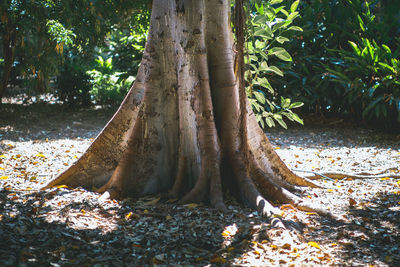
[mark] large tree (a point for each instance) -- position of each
(186, 126)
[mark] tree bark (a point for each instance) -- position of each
(185, 127)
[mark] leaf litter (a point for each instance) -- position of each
(63, 226)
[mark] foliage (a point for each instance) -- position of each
(38, 32)
(329, 75)
(270, 28)
(73, 83)
(107, 86)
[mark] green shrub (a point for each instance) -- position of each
(269, 29)
(108, 88)
(73, 83)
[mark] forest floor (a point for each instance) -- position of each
(63, 226)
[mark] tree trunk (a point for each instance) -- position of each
(185, 127)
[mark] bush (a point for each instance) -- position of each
(269, 30)
(108, 88)
(73, 83)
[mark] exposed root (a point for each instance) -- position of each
(362, 175)
(179, 178)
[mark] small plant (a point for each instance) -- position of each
(270, 27)
(108, 88)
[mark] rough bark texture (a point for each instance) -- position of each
(185, 127)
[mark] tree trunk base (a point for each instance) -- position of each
(186, 127)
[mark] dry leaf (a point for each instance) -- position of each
(191, 205)
(352, 202)
(3, 177)
(218, 260)
(314, 244)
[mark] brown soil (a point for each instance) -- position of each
(64, 226)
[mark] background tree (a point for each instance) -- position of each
(35, 35)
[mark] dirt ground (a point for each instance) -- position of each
(63, 226)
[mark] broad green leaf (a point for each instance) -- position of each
(269, 122)
(295, 28)
(281, 39)
(278, 25)
(275, 70)
(280, 121)
(284, 12)
(386, 66)
(270, 13)
(293, 7)
(259, 44)
(296, 105)
(259, 96)
(273, 2)
(293, 15)
(285, 102)
(297, 118)
(355, 48)
(263, 32)
(387, 49)
(260, 19)
(281, 53)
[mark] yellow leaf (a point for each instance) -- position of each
(385, 178)
(311, 213)
(131, 215)
(62, 186)
(333, 244)
(256, 252)
(83, 211)
(191, 205)
(29, 188)
(277, 147)
(3, 177)
(168, 217)
(40, 155)
(2, 169)
(3, 156)
(47, 140)
(226, 233)
(145, 211)
(314, 244)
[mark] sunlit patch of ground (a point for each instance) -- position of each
(62, 226)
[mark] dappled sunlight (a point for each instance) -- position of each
(34, 163)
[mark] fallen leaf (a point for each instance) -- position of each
(3, 177)
(350, 191)
(191, 205)
(385, 179)
(352, 202)
(314, 244)
(62, 186)
(218, 260)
